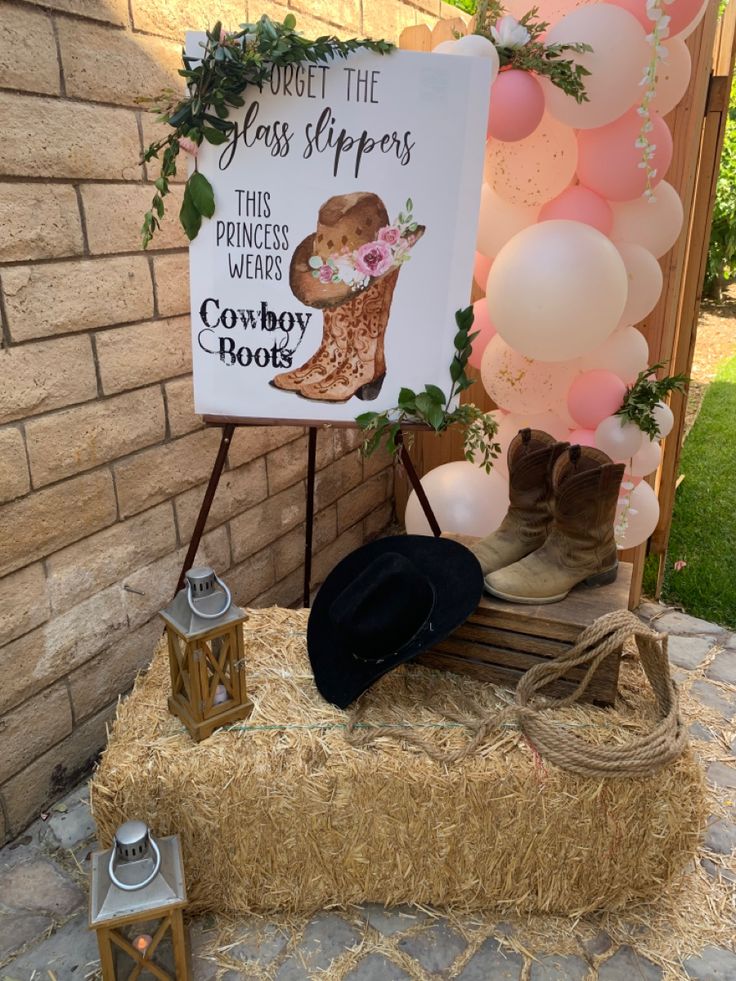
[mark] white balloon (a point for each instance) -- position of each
(619, 439)
(465, 499)
(640, 516)
(509, 424)
(673, 76)
(476, 46)
(646, 459)
(664, 418)
(499, 220)
(645, 281)
(445, 47)
(654, 225)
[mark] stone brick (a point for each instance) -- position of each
(364, 498)
(24, 602)
(337, 479)
(110, 11)
(112, 673)
(171, 275)
(47, 520)
(378, 521)
(252, 441)
(64, 297)
(174, 19)
(150, 589)
(345, 14)
(326, 560)
(288, 551)
(75, 140)
(40, 377)
(80, 570)
(238, 490)
(28, 792)
(40, 221)
(105, 65)
(14, 478)
(376, 462)
(84, 437)
(27, 50)
(143, 353)
(158, 473)
(288, 464)
(114, 215)
(345, 439)
(33, 727)
(288, 592)
(387, 19)
(255, 528)
(180, 407)
(251, 578)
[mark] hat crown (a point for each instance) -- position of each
(348, 221)
(383, 608)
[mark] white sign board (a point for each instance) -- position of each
(343, 237)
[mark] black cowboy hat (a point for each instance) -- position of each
(385, 603)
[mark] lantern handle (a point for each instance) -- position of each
(126, 887)
(209, 616)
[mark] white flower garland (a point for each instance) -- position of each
(659, 53)
(619, 529)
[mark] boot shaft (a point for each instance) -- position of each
(532, 455)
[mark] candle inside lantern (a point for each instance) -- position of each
(143, 942)
(221, 695)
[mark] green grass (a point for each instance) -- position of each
(704, 520)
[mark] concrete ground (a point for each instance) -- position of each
(43, 902)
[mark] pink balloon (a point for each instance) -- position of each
(580, 204)
(481, 268)
(593, 396)
(673, 76)
(608, 159)
(583, 437)
(483, 324)
(517, 106)
(681, 13)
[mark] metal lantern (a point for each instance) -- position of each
(205, 639)
(136, 903)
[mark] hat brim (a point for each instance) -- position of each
(456, 576)
(308, 289)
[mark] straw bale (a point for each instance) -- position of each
(283, 813)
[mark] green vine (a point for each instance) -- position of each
(534, 55)
(432, 408)
(215, 84)
(642, 396)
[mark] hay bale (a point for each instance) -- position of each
(283, 813)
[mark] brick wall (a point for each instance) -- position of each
(102, 461)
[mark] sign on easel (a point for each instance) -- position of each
(343, 237)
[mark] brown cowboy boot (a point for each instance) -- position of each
(531, 456)
(580, 547)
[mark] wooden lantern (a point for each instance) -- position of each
(205, 640)
(137, 898)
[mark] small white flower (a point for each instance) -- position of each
(509, 33)
(346, 270)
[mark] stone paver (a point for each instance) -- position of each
(557, 967)
(38, 885)
(377, 967)
(70, 953)
(626, 964)
(680, 623)
(71, 822)
(712, 696)
(325, 937)
(262, 943)
(698, 731)
(492, 961)
(688, 652)
(714, 964)
(722, 775)
(391, 921)
(720, 836)
(723, 667)
(435, 948)
(18, 929)
(600, 944)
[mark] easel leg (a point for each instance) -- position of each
(417, 485)
(311, 468)
(209, 494)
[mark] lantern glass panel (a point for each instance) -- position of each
(144, 946)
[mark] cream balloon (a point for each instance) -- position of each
(637, 515)
(625, 353)
(646, 459)
(509, 425)
(664, 418)
(655, 225)
(537, 169)
(673, 76)
(619, 439)
(445, 47)
(557, 290)
(465, 499)
(477, 46)
(620, 52)
(645, 281)
(499, 220)
(520, 384)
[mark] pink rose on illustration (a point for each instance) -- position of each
(373, 259)
(390, 235)
(324, 274)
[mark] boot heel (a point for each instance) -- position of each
(370, 390)
(602, 578)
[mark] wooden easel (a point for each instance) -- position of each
(228, 425)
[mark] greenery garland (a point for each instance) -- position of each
(432, 408)
(644, 394)
(215, 85)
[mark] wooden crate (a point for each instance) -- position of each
(501, 641)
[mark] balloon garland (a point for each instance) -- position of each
(575, 214)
